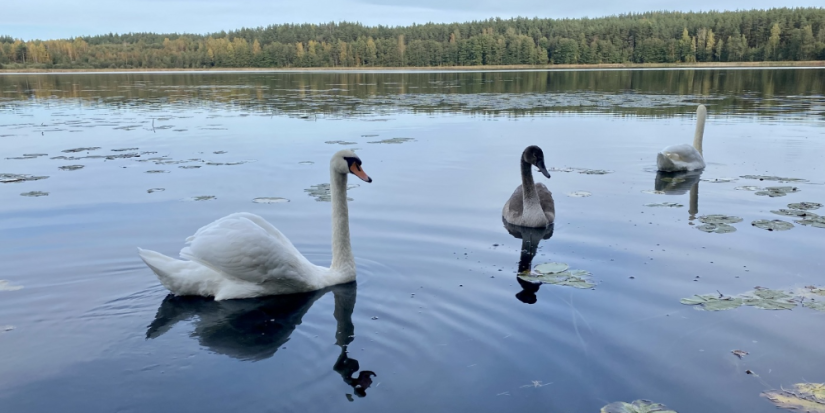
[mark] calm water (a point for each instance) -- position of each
(437, 313)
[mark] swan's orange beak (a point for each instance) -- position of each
(356, 170)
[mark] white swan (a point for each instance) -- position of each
(678, 158)
(531, 205)
(241, 255)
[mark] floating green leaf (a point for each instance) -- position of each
(270, 200)
(155, 190)
(776, 191)
(772, 225)
(321, 192)
(817, 222)
(804, 397)
(716, 228)
(768, 299)
(5, 286)
(638, 406)
(713, 302)
(773, 178)
(748, 188)
(719, 219)
(594, 171)
(718, 180)
(14, 178)
(653, 192)
(34, 194)
(571, 278)
(551, 267)
(665, 205)
(579, 194)
(70, 167)
(341, 143)
(93, 148)
(815, 305)
(394, 140)
(805, 205)
(795, 213)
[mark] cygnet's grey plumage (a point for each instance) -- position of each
(534, 207)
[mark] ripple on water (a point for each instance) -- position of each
(5, 285)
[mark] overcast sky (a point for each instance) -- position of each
(48, 19)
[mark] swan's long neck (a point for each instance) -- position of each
(527, 186)
(701, 114)
(342, 259)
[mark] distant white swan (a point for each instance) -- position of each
(531, 205)
(678, 158)
(241, 255)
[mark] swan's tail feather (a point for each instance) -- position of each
(181, 277)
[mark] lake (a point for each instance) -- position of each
(96, 165)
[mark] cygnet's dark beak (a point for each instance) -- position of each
(542, 169)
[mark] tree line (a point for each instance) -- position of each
(782, 34)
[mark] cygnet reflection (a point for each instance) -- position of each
(530, 239)
(254, 329)
(677, 183)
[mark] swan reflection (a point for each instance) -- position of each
(677, 183)
(254, 329)
(530, 238)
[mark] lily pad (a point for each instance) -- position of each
(719, 219)
(270, 200)
(35, 194)
(15, 178)
(805, 205)
(595, 171)
(201, 198)
(394, 140)
(768, 299)
(572, 278)
(189, 166)
(749, 188)
(777, 191)
(716, 228)
(795, 213)
(341, 143)
(579, 194)
(321, 192)
(91, 148)
(817, 222)
(151, 190)
(772, 225)
(306, 162)
(551, 267)
(555, 169)
(70, 167)
(6, 286)
(653, 192)
(815, 305)
(665, 205)
(638, 406)
(125, 149)
(713, 302)
(773, 178)
(803, 397)
(157, 171)
(718, 180)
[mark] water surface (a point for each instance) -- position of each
(437, 314)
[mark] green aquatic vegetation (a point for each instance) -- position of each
(6, 286)
(394, 140)
(321, 192)
(653, 192)
(638, 406)
(815, 305)
(152, 190)
(34, 194)
(219, 152)
(269, 200)
(713, 302)
(306, 162)
(768, 299)
(718, 180)
(202, 198)
(227, 163)
(70, 167)
(805, 205)
(189, 166)
(665, 205)
(125, 149)
(157, 171)
(719, 219)
(772, 225)
(595, 171)
(340, 143)
(15, 178)
(554, 169)
(749, 188)
(87, 149)
(777, 191)
(816, 222)
(551, 267)
(803, 397)
(795, 213)
(558, 273)
(773, 178)
(579, 194)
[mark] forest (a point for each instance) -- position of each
(781, 34)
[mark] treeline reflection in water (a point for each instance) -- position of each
(648, 93)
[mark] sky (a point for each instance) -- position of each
(51, 19)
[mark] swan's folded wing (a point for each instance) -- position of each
(239, 248)
(546, 199)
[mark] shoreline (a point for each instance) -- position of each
(814, 64)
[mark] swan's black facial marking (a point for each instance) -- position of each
(354, 166)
